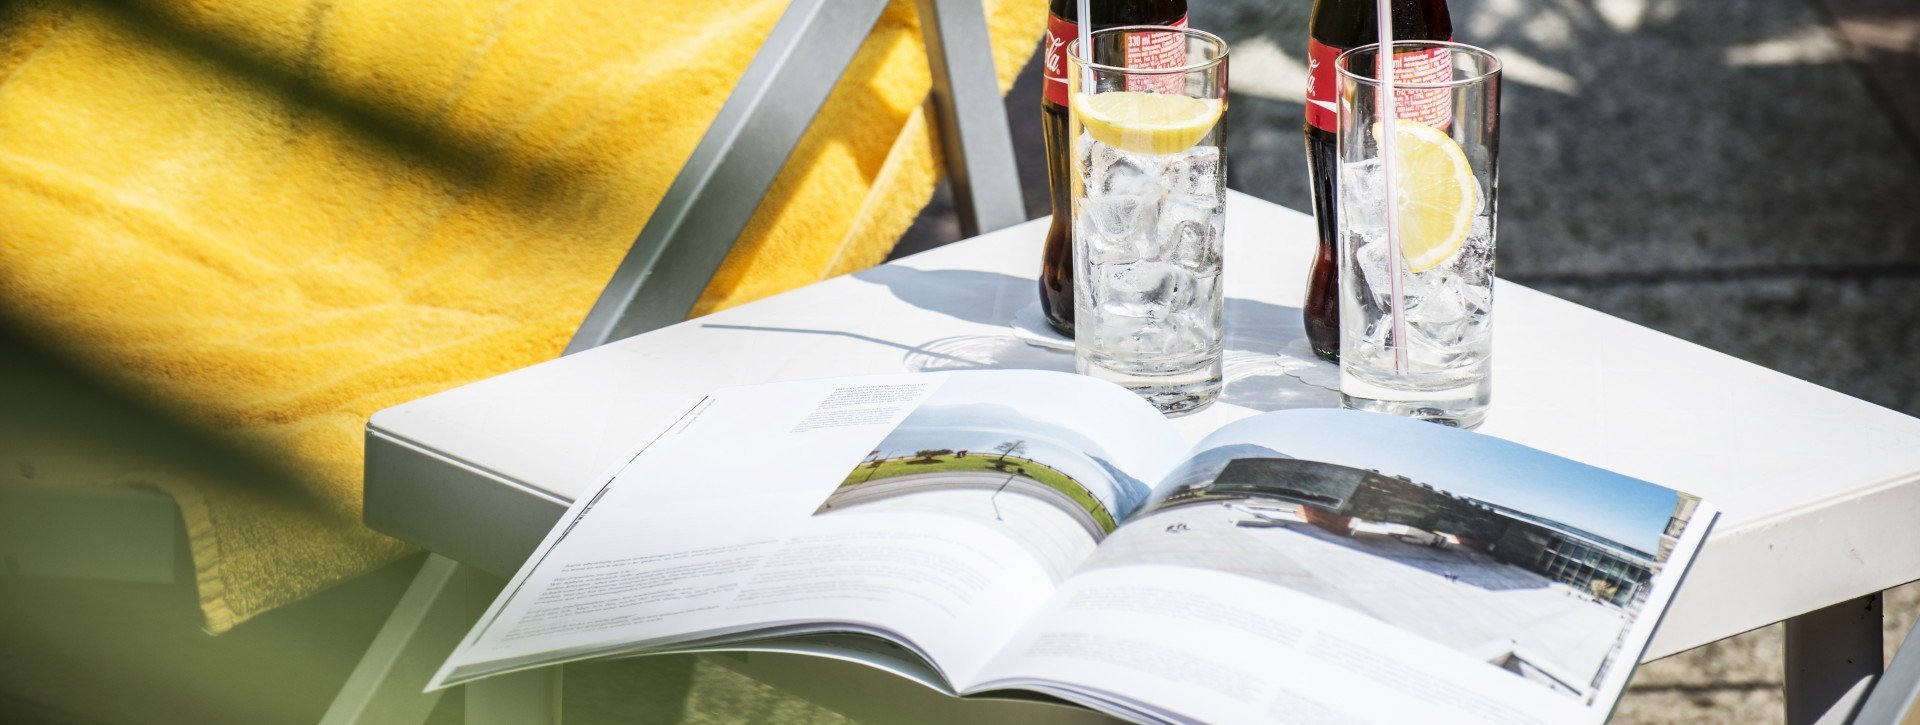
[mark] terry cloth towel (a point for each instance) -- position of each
(280, 216)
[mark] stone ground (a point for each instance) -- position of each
(1743, 175)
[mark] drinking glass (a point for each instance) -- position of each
(1434, 361)
(1149, 202)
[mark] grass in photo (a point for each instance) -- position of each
(1037, 482)
(997, 469)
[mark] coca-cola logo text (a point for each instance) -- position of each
(1053, 54)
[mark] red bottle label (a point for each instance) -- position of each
(1320, 86)
(1144, 50)
(1429, 106)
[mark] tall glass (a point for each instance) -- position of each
(1149, 205)
(1434, 361)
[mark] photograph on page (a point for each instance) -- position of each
(1530, 563)
(985, 456)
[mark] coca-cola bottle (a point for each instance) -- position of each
(1056, 266)
(1337, 25)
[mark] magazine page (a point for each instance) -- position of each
(938, 510)
(1335, 566)
(872, 652)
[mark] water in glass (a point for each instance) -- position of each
(1447, 307)
(1149, 312)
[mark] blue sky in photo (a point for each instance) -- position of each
(1627, 510)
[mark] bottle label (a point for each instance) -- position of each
(1144, 50)
(1321, 112)
(1429, 106)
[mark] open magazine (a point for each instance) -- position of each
(1040, 531)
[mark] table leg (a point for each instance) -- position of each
(521, 698)
(530, 697)
(1832, 658)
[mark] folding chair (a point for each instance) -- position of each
(669, 265)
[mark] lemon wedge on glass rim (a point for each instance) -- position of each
(1147, 123)
(1437, 194)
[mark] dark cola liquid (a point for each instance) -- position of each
(1056, 260)
(1322, 307)
(1343, 24)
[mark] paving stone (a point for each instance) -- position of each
(1640, 135)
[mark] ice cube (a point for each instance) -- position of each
(1122, 289)
(1175, 292)
(1478, 297)
(1473, 264)
(1112, 172)
(1435, 298)
(1195, 172)
(1370, 261)
(1363, 197)
(1417, 288)
(1190, 229)
(1196, 247)
(1114, 216)
(1432, 350)
(1144, 290)
(1197, 329)
(1151, 339)
(1447, 315)
(1103, 250)
(1481, 233)
(1206, 296)
(1162, 346)
(1176, 208)
(1362, 182)
(1112, 338)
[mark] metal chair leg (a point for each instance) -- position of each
(432, 616)
(971, 123)
(1896, 697)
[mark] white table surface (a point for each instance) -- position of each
(1820, 491)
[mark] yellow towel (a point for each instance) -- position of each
(283, 215)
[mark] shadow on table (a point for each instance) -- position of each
(985, 352)
(931, 357)
(985, 298)
(1268, 365)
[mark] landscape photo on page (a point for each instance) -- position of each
(1028, 474)
(1533, 564)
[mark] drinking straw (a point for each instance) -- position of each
(1086, 48)
(1383, 59)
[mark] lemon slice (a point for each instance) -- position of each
(1147, 123)
(1438, 194)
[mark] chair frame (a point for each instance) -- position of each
(1895, 696)
(716, 193)
(669, 264)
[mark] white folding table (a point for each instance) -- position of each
(1821, 491)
